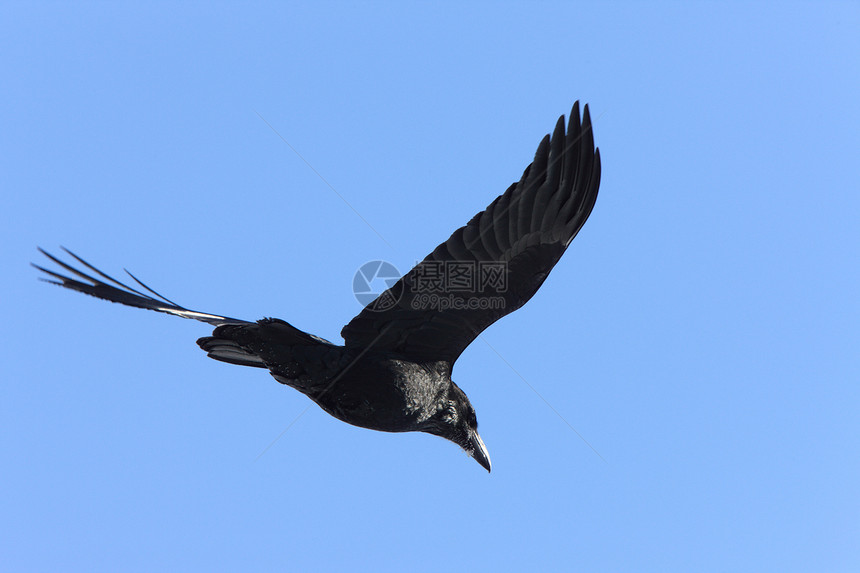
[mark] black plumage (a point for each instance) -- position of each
(394, 372)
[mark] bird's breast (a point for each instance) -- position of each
(385, 393)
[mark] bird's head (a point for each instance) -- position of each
(455, 420)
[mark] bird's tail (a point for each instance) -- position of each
(224, 347)
(269, 343)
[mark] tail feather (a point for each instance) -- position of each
(272, 343)
(229, 351)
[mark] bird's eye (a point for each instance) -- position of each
(473, 421)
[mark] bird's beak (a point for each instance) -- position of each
(479, 451)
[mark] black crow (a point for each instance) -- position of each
(394, 371)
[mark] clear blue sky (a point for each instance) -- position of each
(701, 333)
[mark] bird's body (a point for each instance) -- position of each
(372, 389)
(393, 373)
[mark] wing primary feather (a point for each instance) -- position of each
(162, 297)
(92, 268)
(488, 240)
(123, 293)
(84, 275)
(523, 202)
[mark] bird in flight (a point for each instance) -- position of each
(393, 373)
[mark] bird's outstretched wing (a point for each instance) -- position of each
(122, 293)
(494, 264)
